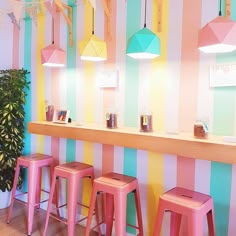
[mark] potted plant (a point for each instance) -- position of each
(13, 86)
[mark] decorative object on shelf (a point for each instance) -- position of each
(93, 49)
(61, 116)
(111, 120)
(201, 129)
(13, 87)
(144, 44)
(218, 36)
(49, 109)
(146, 123)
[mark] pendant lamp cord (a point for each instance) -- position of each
(52, 30)
(220, 13)
(93, 22)
(145, 14)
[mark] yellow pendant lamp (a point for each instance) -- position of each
(93, 49)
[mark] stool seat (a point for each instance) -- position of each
(34, 162)
(116, 187)
(73, 172)
(194, 205)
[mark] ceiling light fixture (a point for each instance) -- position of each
(53, 55)
(144, 44)
(93, 49)
(218, 36)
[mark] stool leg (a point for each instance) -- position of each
(120, 203)
(159, 219)
(54, 180)
(211, 223)
(109, 213)
(139, 212)
(175, 221)
(195, 225)
(38, 188)
(33, 175)
(73, 189)
(91, 208)
(13, 192)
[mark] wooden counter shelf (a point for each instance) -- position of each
(182, 144)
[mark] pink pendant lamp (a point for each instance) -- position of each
(218, 36)
(53, 56)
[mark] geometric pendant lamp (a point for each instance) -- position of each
(218, 36)
(144, 44)
(93, 49)
(53, 56)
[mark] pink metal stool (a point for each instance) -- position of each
(34, 163)
(116, 187)
(186, 202)
(73, 172)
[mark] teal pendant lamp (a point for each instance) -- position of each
(144, 44)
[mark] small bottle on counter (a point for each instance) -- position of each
(146, 123)
(111, 120)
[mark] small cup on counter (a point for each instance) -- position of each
(111, 120)
(146, 123)
(49, 112)
(200, 129)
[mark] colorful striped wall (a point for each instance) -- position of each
(173, 87)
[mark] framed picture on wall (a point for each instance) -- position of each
(61, 116)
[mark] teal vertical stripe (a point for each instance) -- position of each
(71, 83)
(224, 111)
(70, 150)
(220, 190)
(130, 168)
(27, 66)
(131, 103)
(223, 124)
(27, 107)
(132, 67)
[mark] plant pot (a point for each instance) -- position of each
(5, 199)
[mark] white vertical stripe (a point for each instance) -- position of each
(142, 176)
(118, 159)
(173, 65)
(232, 210)
(97, 147)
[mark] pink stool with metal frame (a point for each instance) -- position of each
(194, 205)
(73, 172)
(34, 163)
(116, 187)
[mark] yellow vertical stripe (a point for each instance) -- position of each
(40, 79)
(159, 77)
(157, 104)
(155, 187)
(88, 105)
(87, 190)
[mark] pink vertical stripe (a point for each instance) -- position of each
(185, 172)
(189, 64)
(107, 158)
(55, 85)
(15, 56)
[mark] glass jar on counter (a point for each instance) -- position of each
(111, 120)
(146, 123)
